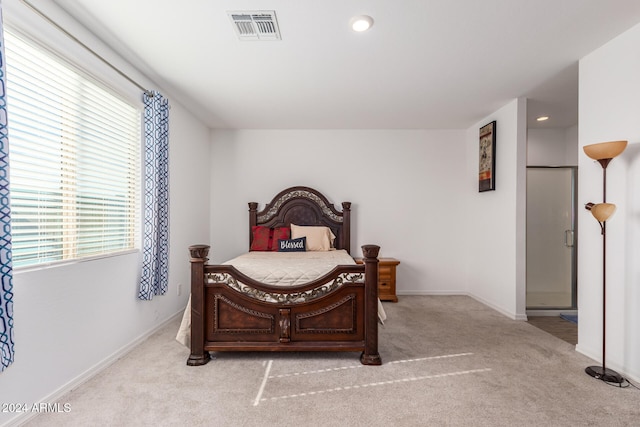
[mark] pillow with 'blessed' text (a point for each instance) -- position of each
(292, 245)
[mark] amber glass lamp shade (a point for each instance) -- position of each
(602, 211)
(605, 150)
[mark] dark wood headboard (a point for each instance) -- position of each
(304, 206)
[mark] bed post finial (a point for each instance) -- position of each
(370, 355)
(199, 252)
(199, 258)
(371, 251)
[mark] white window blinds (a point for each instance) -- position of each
(74, 160)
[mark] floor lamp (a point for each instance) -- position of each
(604, 152)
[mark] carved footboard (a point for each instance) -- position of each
(232, 312)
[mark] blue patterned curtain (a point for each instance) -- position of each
(155, 251)
(6, 276)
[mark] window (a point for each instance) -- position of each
(74, 160)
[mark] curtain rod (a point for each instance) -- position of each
(93, 52)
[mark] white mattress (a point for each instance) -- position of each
(289, 268)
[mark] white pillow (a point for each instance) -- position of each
(318, 238)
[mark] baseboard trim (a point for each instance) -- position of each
(427, 293)
(91, 372)
(513, 316)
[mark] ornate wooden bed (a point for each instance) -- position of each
(339, 311)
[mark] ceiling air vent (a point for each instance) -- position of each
(255, 25)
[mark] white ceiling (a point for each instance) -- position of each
(424, 64)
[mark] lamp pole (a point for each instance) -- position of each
(604, 294)
(604, 163)
(604, 152)
(602, 372)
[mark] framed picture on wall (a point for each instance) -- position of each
(487, 165)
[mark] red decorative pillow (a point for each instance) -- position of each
(266, 239)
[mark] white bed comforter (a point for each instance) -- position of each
(289, 268)
(280, 269)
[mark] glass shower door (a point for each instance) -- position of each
(551, 246)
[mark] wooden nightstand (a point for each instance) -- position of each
(386, 278)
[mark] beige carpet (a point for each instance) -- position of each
(448, 361)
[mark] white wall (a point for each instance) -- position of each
(72, 319)
(495, 220)
(414, 192)
(571, 145)
(552, 147)
(609, 109)
(407, 189)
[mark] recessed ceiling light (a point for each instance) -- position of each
(361, 23)
(542, 118)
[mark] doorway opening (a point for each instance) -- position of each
(551, 240)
